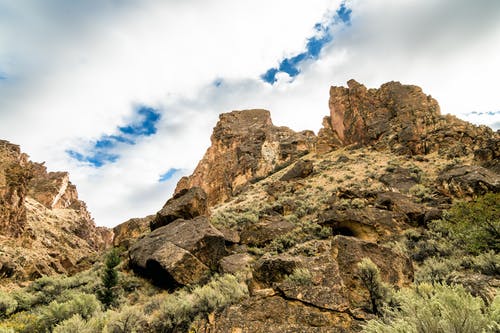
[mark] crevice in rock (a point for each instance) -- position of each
(348, 311)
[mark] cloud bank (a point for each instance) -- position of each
(74, 77)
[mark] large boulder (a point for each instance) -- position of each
(468, 181)
(264, 231)
(274, 314)
(186, 204)
(395, 268)
(126, 233)
(301, 169)
(180, 253)
(415, 213)
(369, 223)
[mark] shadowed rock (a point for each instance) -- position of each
(186, 204)
(468, 181)
(301, 169)
(184, 251)
(265, 230)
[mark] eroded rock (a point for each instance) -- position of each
(265, 230)
(301, 169)
(245, 146)
(126, 233)
(401, 118)
(467, 181)
(186, 204)
(192, 247)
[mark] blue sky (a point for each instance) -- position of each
(102, 150)
(323, 36)
(124, 95)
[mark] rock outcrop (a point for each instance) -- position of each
(126, 233)
(15, 174)
(180, 253)
(468, 181)
(246, 146)
(401, 118)
(385, 164)
(44, 227)
(186, 204)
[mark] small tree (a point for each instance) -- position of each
(370, 277)
(475, 225)
(109, 279)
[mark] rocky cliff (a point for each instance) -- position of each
(293, 215)
(246, 146)
(401, 118)
(45, 229)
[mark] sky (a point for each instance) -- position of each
(124, 94)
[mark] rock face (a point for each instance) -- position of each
(301, 169)
(245, 146)
(15, 175)
(186, 204)
(126, 233)
(381, 168)
(44, 228)
(399, 117)
(180, 253)
(329, 299)
(468, 181)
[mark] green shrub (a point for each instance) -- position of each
(436, 270)
(437, 308)
(422, 192)
(300, 276)
(8, 304)
(369, 274)
(487, 263)
(130, 319)
(179, 309)
(25, 300)
(474, 226)
(75, 324)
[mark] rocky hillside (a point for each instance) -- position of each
(294, 214)
(387, 221)
(44, 228)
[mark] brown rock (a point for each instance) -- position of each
(400, 179)
(301, 169)
(44, 228)
(173, 248)
(15, 174)
(269, 269)
(245, 146)
(395, 269)
(235, 263)
(126, 233)
(52, 189)
(326, 288)
(468, 181)
(276, 315)
(369, 223)
(397, 117)
(265, 230)
(416, 213)
(489, 154)
(186, 204)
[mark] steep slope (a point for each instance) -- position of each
(45, 229)
(245, 146)
(292, 215)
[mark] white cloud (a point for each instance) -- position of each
(79, 70)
